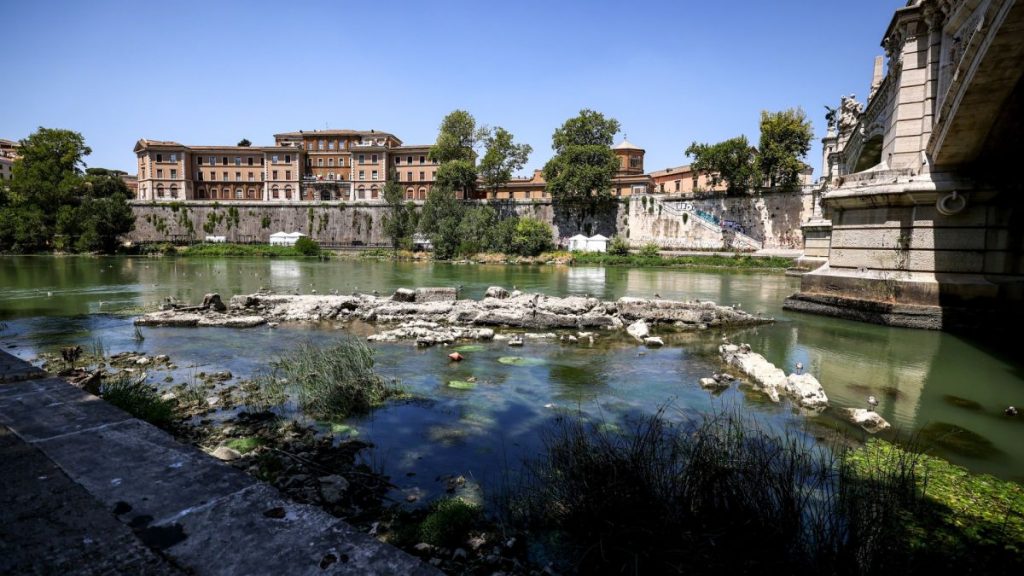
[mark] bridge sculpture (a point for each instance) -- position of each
(921, 210)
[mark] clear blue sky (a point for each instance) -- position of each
(214, 72)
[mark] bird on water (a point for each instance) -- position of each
(872, 403)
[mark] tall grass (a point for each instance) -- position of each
(329, 382)
(137, 398)
(720, 495)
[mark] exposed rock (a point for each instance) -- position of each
(332, 488)
(654, 342)
(496, 292)
(713, 384)
(869, 420)
(213, 301)
(226, 454)
(436, 294)
(764, 374)
(806, 389)
(638, 330)
(404, 295)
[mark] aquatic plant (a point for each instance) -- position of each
(461, 384)
(244, 445)
(521, 361)
(137, 398)
(449, 522)
(138, 336)
(328, 382)
(723, 495)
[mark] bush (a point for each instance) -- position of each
(531, 237)
(138, 399)
(619, 246)
(330, 383)
(307, 246)
(449, 522)
(650, 250)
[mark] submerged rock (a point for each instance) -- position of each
(654, 342)
(807, 391)
(869, 420)
(802, 388)
(638, 330)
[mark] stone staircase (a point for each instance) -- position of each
(730, 238)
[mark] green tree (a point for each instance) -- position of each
(584, 164)
(785, 141)
(244, 142)
(440, 219)
(731, 162)
(501, 158)
(476, 230)
(457, 138)
(397, 224)
(49, 171)
(531, 237)
(457, 175)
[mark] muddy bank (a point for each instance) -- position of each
(438, 309)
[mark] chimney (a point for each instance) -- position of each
(876, 76)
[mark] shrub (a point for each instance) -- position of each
(619, 246)
(307, 246)
(650, 250)
(449, 522)
(531, 237)
(138, 399)
(330, 383)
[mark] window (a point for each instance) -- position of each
(410, 193)
(330, 145)
(309, 162)
(263, 176)
(159, 172)
(526, 195)
(423, 175)
(362, 192)
(274, 158)
(239, 194)
(143, 172)
(174, 157)
(213, 192)
(287, 192)
(250, 160)
(159, 190)
(251, 194)
(252, 177)
(433, 174)
(224, 161)
(421, 194)
(320, 162)
(199, 175)
(287, 174)
(275, 192)
(199, 160)
(423, 159)
(330, 175)
(373, 159)
(287, 158)
(273, 174)
(320, 145)
(213, 161)
(263, 161)
(362, 175)
(341, 161)
(408, 159)
(213, 175)
(238, 176)
(174, 191)
(174, 174)
(409, 175)
(373, 192)
(201, 193)
(225, 178)
(373, 176)
(238, 161)
(677, 185)
(635, 162)
(330, 162)
(159, 157)
(362, 159)
(398, 160)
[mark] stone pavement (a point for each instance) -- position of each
(87, 489)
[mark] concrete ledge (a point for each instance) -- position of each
(904, 316)
(14, 369)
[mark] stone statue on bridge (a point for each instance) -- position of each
(849, 112)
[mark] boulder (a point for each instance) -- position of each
(764, 374)
(496, 292)
(226, 454)
(404, 295)
(869, 420)
(638, 330)
(712, 384)
(805, 389)
(436, 294)
(654, 342)
(213, 301)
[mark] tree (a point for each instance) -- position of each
(502, 158)
(531, 237)
(49, 170)
(785, 141)
(476, 230)
(244, 142)
(457, 175)
(397, 223)
(731, 162)
(584, 164)
(457, 138)
(440, 219)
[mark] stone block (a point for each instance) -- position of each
(442, 294)
(53, 408)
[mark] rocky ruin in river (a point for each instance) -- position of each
(436, 315)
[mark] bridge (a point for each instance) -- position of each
(921, 202)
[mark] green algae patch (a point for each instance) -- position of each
(521, 361)
(244, 445)
(959, 402)
(958, 440)
(461, 384)
(470, 348)
(973, 513)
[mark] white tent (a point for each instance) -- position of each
(285, 238)
(597, 243)
(578, 242)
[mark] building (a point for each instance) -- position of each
(326, 166)
(8, 154)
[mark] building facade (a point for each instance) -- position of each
(8, 152)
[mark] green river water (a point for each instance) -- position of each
(952, 388)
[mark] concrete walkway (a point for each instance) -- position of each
(87, 489)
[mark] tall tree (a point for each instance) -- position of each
(244, 142)
(457, 138)
(397, 223)
(458, 175)
(731, 162)
(502, 157)
(584, 164)
(785, 140)
(48, 172)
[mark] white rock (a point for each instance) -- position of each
(654, 342)
(764, 374)
(226, 454)
(805, 389)
(638, 330)
(713, 384)
(869, 420)
(143, 361)
(496, 292)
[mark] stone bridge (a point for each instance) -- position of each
(920, 215)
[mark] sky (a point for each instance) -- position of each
(214, 72)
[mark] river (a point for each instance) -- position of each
(939, 383)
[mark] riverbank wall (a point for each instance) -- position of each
(771, 220)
